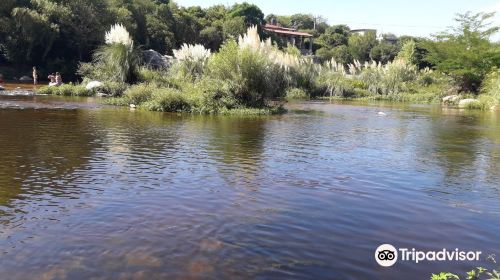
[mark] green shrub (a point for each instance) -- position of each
(81, 91)
(159, 77)
(303, 74)
(324, 54)
(484, 102)
(211, 96)
(296, 94)
(140, 93)
(336, 82)
(114, 89)
(475, 105)
(252, 77)
(46, 90)
(65, 90)
(396, 77)
(292, 50)
(491, 85)
(168, 100)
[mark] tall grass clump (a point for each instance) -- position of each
(333, 77)
(116, 61)
(191, 60)
(491, 86)
(398, 80)
(251, 69)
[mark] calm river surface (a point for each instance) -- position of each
(92, 192)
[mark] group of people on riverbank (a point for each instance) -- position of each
(55, 79)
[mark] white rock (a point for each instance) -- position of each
(465, 102)
(93, 84)
(451, 99)
(25, 79)
(101, 94)
(381, 114)
(132, 106)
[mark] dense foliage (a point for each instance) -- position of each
(58, 34)
(215, 67)
(466, 52)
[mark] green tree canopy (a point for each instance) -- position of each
(465, 51)
(252, 14)
(360, 45)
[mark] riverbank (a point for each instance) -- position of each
(16, 86)
(464, 101)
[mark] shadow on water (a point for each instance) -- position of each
(238, 143)
(467, 145)
(41, 152)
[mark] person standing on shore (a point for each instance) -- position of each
(35, 76)
(58, 79)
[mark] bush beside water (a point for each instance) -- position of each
(245, 75)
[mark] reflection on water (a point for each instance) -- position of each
(108, 193)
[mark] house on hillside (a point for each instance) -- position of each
(364, 31)
(388, 38)
(292, 36)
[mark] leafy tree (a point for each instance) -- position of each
(234, 27)
(408, 52)
(302, 21)
(384, 52)
(361, 45)
(334, 36)
(465, 52)
(252, 14)
(340, 54)
(212, 37)
(284, 21)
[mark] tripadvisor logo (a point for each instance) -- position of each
(387, 255)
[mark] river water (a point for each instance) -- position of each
(93, 192)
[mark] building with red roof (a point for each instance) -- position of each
(292, 36)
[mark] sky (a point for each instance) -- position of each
(416, 18)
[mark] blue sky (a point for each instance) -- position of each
(418, 18)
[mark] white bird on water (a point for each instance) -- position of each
(381, 114)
